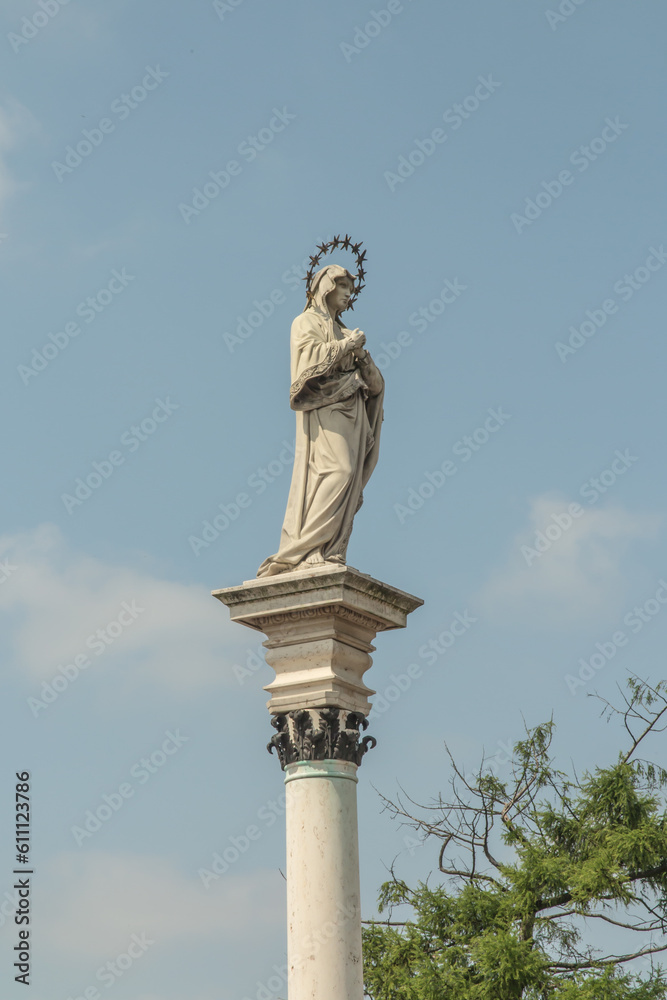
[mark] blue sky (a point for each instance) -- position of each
(502, 164)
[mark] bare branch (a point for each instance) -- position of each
(609, 960)
(652, 725)
(387, 923)
(646, 928)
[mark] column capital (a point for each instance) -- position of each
(327, 734)
(320, 624)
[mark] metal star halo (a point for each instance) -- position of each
(326, 248)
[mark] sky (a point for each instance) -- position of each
(165, 170)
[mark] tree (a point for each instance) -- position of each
(531, 865)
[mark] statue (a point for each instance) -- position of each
(337, 392)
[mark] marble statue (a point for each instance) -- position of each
(337, 392)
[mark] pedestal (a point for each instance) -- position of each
(320, 625)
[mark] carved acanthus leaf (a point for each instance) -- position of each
(320, 734)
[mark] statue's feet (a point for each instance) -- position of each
(316, 559)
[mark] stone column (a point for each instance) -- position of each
(320, 624)
(323, 901)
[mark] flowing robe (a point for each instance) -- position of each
(339, 414)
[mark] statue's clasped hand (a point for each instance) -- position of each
(356, 340)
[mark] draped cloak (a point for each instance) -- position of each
(338, 402)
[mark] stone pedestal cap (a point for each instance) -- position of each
(319, 624)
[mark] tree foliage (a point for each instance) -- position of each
(531, 865)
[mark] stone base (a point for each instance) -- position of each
(320, 624)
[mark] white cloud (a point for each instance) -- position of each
(92, 903)
(578, 576)
(65, 33)
(55, 599)
(16, 123)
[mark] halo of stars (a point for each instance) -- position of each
(345, 243)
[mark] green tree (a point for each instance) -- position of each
(530, 866)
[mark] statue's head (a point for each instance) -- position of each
(333, 286)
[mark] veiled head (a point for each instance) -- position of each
(324, 282)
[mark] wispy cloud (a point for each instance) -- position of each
(564, 568)
(144, 893)
(16, 124)
(55, 599)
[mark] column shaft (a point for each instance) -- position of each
(323, 897)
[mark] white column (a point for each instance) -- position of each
(323, 900)
(320, 626)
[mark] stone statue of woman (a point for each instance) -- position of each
(337, 392)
